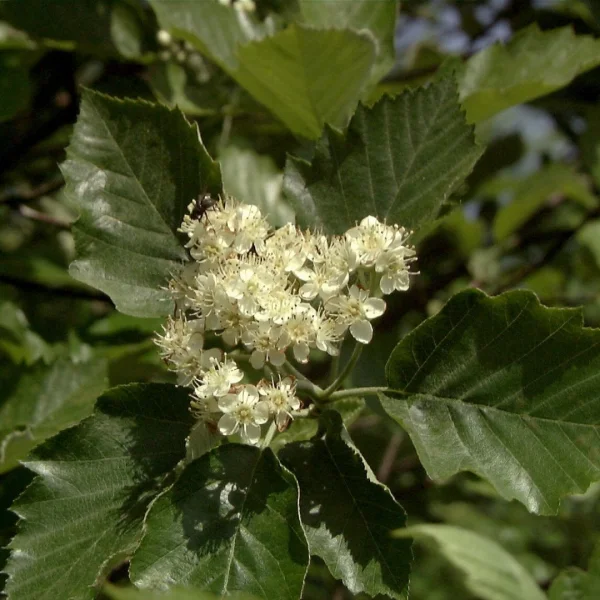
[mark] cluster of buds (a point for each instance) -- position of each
(183, 53)
(270, 296)
(241, 5)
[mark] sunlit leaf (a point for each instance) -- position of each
(306, 76)
(83, 514)
(533, 63)
(347, 515)
(230, 523)
(133, 168)
(506, 388)
(399, 160)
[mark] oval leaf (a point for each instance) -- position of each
(84, 512)
(229, 523)
(491, 573)
(532, 64)
(506, 388)
(347, 515)
(399, 160)
(133, 167)
(305, 76)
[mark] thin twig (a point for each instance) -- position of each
(36, 215)
(389, 457)
(16, 195)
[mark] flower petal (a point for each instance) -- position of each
(251, 433)
(228, 425)
(362, 331)
(257, 360)
(261, 412)
(228, 403)
(276, 358)
(374, 307)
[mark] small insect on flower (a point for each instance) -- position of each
(201, 205)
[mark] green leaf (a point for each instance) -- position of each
(175, 85)
(131, 593)
(575, 584)
(254, 179)
(505, 388)
(13, 39)
(490, 572)
(101, 27)
(305, 76)
(84, 512)
(531, 193)
(11, 486)
(44, 400)
(133, 167)
(532, 64)
(17, 339)
(126, 30)
(379, 18)
(399, 160)
(229, 523)
(347, 515)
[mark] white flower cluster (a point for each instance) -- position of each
(269, 294)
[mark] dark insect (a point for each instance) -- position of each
(202, 204)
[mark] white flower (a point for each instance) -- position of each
(370, 239)
(327, 335)
(322, 280)
(342, 256)
(281, 398)
(394, 263)
(355, 311)
(208, 297)
(250, 227)
(182, 346)
(244, 411)
(218, 379)
(249, 281)
(233, 323)
(266, 341)
(286, 249)
(395, 273)
(299, 332)
(278, 306)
